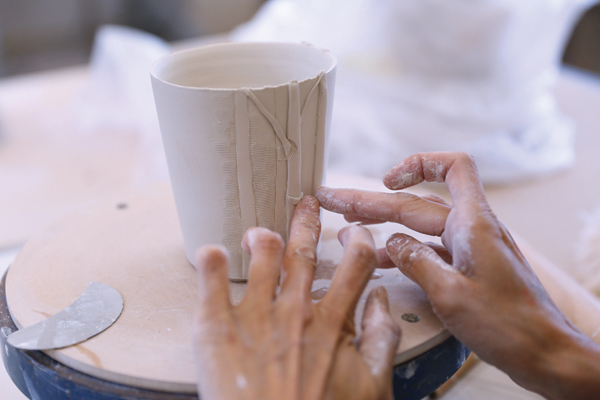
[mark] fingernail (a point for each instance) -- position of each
(397, 241)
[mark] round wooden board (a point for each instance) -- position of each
(135, 246)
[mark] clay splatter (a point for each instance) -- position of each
(91, 355)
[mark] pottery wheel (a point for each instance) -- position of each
(135, 246)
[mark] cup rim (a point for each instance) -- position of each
(163, 59)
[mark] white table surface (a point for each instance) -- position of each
(548, 213)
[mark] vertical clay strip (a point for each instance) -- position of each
(319, 143)
(320, 140)
(294, 163)
(244, 169)
(281, 109)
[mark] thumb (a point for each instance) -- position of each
(380, 337)
(420, 263)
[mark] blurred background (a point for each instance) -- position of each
(41, 34)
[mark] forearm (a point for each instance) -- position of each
(571, 369)
(572, 372)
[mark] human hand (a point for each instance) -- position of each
(281, 345)
(478, 282)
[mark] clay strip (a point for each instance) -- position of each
(312, 90)
(244, 168)
(320, 140)
(294, 163)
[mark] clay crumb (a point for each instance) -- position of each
(376, 275)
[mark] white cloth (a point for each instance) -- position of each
(438, 75)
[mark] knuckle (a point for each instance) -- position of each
(465, 157)
(209, 328)
(330, 316)
(485, 222)
(313, 221)
(351, 206)
(309, 221)
(467, 161)
(298, 310)
(307, 254)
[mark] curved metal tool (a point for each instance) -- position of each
(98, 307)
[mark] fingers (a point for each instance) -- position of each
(385, 262)
(414, 212)
(441, 251)
(213, 281)
(435, 199)
(420, 263)
(363, 221)
(353, 272)
(458, 170)
(266, 249)
(300, 260)
(380, 337)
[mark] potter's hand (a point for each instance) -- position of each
(478, 282)
(282, 345)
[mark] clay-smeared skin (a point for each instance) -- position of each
(479, 283)
(284, 346)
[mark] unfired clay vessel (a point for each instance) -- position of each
(245, 129)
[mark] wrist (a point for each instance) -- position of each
(570, 369)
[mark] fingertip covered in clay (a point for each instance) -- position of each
(408, 173)
(310, 203)
(324, 195)
(430, 167)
